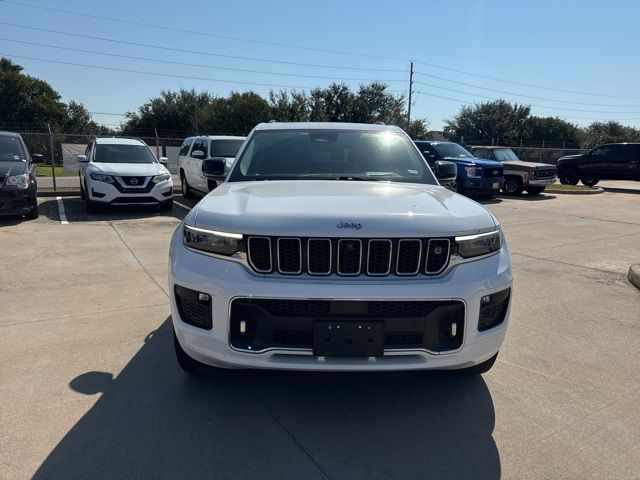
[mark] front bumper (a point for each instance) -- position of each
(483, 185)
(15, 201)
(541, 183)
(225, 280)
(108, 194)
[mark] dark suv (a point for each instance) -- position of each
(17, 177)
(612, 161)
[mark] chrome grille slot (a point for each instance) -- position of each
(349, 256)
(319, 256)
(437, 255)
(408, 256)
(260, 254)
(379, 257)
(289, 256)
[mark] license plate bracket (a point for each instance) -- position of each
(348, 338)
(495, 185)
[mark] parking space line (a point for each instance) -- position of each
(181, 205)
(63, 216)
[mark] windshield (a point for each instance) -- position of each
(452, 150)
(331, 155)
(505, 155)
(113, 153)
(10, 149)
(225, 148)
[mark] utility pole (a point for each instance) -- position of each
(410, 95)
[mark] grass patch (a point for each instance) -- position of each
(560, 188)
(45, 171)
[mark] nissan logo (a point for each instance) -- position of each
(133, 181)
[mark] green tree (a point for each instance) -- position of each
(489, 120)
(238, 114)
(28, 100)
(552, 130)
(290, 106)
(608, 132)
(80, 121)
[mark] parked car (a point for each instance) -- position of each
(476, 177)
(194, 151)
(123, 171)
(331, 246)
(518, 175)
(18, 182)
(612, 161)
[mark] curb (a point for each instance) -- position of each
(634, 275)
(591, 191)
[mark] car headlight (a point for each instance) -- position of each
(475, 172)
(476, 245)
(163, 177)
(211, 241)
(19, 181)
(101, 177)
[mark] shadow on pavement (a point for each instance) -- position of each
(75, 211)
(531, 198)
(154, 421)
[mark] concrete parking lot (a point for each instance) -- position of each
(89, 387)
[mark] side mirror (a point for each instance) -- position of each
(37, 158)
(198, 154)
(164, 161)
(446, 172)
(213, 167)
(82, 158)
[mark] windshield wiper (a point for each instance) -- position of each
(360, 179)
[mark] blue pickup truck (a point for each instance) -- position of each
(476, 176)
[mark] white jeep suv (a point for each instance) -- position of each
(194, 151)
(123, 171)
(333, 247)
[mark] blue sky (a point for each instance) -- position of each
(577, 46)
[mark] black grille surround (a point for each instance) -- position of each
(131, 188)
(349, 257)
(494, 172)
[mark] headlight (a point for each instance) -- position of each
(222, 243)
(20, 181)
(101, 177)
(476, 245)
(163, 177)
(475, 172)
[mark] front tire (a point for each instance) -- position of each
(33, 214)
(89, 204)
(190, 365)
(589, 181)
(535, 190)
(512, 186)
(166, 206)
(568, 177)
(184, 186)
(479, 369)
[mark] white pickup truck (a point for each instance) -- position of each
(194, 151)
(332, 246)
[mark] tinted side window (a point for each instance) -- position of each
(481, 153)
(185, 148)
(205, 147)
(197, 145)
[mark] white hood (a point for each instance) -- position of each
(315, 208)
(128, 169)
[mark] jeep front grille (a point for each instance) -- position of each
(348, 256)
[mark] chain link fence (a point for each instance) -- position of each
(59, 170)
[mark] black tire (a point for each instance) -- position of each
(589, 181)
(90, 205)
(535, 190)
(166, 206)
(33, 214)
(82, 193)
(568, 177)
(479, 369)
(184, 186)
(512, 186)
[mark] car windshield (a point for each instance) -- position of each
(308, 154)
(106, 153)
(10, 149)
(451, 150)
(225, 148)
(505, 155)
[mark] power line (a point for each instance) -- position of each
(198, 52)
(533, 105)
(300, 47)
(471, 103)
(213, 35)
(521, 94)
(199, 65)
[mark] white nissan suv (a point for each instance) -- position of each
(123, 171)
(333, 247)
